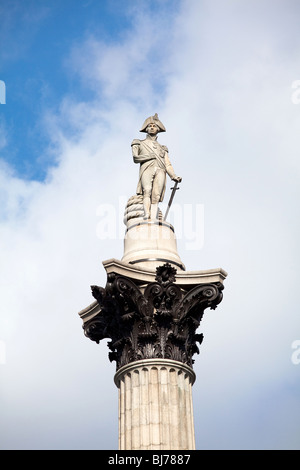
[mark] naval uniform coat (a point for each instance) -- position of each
(150, 153)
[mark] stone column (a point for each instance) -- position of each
(155, 405)
(151, 318)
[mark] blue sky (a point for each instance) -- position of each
(81, 77)
(37, 39)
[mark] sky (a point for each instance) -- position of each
(78, 79)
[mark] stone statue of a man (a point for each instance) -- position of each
(154, 164)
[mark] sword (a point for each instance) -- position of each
(174, 189)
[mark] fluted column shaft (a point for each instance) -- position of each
(155, 405)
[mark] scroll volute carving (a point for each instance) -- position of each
(159, 323)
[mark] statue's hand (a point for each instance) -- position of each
(177, 178)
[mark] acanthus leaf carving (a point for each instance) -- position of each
(158, 321)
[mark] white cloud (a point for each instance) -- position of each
(232, 132)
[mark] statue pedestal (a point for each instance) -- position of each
(148, 244)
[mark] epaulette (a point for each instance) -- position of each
(135, 142)
(165, 148)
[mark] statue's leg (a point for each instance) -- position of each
(146, 181)
(147, 205)
(154, 211)
(157, 189)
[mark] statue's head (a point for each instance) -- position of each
(153, 120)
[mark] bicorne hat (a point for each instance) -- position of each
(153, 120)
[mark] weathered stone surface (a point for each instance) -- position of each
(155, 405)
(150, 244)
(155, 164)
(155, 320)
